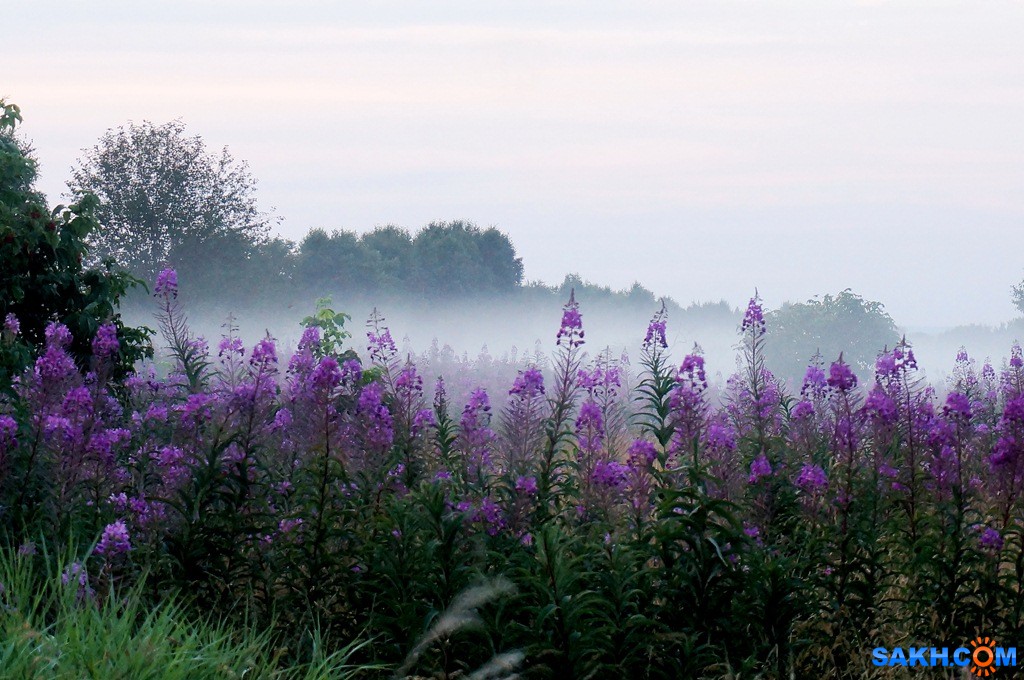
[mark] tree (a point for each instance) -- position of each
(163, 197)
(335, 263)
(1018, 297)
(44, 274)
(457, 258)
(845, 323)
(393, 246)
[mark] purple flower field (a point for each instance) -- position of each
(631, 519)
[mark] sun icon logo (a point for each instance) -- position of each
(983, 656)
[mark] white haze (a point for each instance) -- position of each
(702, 148)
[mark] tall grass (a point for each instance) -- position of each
(53, 627)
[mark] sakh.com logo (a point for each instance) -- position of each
(982, 657)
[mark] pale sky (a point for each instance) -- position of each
(702, 148)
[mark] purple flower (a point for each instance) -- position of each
(527, 485)
(57, 335)
(379, 431)
(991, 539)
(589, 426)
(115, 540)
(8, 433)
(76, 573)
(409, 382)
(282, 420)
(841, 377)
(476, 433)
(692, 370)
(12, 327)
(169, 456)
(351, 372)
(610, 473)
(423, 420)
(802, 411)
(879, 407)
(490, 514)
(55, 365)
(310, 339)
(814, 382)
(197, 409)
(759, 468)
(229, 345)
(720, 437)
(167, 283)
(381, 345)
(105, 343)
(811, 479)
(847, 434)
(571, 330)
(753, 318)
(899, 360)
(327, 375)
(642, 453)
(264, 353)
(958, 406)
(528, 384)
(655, 335)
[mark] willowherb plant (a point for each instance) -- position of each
(637, 523)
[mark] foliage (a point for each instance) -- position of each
(164, 200)
(444, 258)
(332, 330)
(597, 525)
(845, 322)
(459, 258)
(51, 626)
(1018, 297)
(45, 275)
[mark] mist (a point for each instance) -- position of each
(485, 342)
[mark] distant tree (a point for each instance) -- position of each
(458, 258)
(44, 273)
(393, 247)
(1018, 297)
(164, 198)
(845, 323)
(336, 262)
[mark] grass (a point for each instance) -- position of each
(49, 629)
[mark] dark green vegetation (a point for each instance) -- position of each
(46, 272)
(845, 323)
(329, 514)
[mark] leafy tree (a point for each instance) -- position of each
(44, 275)
(845, 323)
(1018, 297)
(458, 258)
(393, 246)
(335, 262)
(163, 198)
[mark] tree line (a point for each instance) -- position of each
(167, 201)
(147, 196)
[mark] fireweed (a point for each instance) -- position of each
(634, 523)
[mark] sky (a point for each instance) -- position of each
(704, 149)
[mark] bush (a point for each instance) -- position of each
(43, 277)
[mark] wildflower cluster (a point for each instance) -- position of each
(639, 519)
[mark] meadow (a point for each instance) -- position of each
(339, 513)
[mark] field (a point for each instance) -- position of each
(335, 512)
